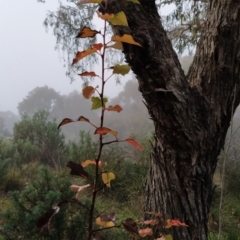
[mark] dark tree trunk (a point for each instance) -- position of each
(191, 113)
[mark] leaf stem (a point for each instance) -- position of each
(95, 190)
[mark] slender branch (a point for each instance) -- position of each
(106, 143)
(109, 77)
(99, 189)
(95, 191)
(74, 200)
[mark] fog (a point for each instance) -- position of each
(28, 58)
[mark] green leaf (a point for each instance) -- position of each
(121, 69)
(97, 102)
(119, 19)
(107, 177)
(168, 237)
(126, 38)
(134, 1)
(88, 1)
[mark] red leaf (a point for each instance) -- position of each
(88, 91)
(151, 222)
(145, 232)
(98, 46)
(134, 143)
(177, 223)
(174, 222)
(116, 108)
(104, 131)
(91, 74)
(87, 32)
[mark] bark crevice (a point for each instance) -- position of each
(192, 115)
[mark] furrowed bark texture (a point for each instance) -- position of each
(192, 117)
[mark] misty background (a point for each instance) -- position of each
(33, 72)
(33, 77)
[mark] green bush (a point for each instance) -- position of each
(26, 206)
(37, 139)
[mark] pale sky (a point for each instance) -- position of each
(28, 58)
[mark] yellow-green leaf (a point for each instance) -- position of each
(88, 1)
(168, 237)
(88, 91)
(107, 177)
(125, 38)
(104, 224)
(97, 102)
(117, 45)
(134, 1)
(119, 19)
(121, 69)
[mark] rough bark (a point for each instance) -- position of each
(192, 117)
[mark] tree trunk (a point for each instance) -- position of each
(191, 113)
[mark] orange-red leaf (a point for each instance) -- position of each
(83, 54)
(106, 16)
(134, 143)
(104, 131)
(174, 222)
(88, 91)
(98, 46)
(65, 121)
(116, 108)
(151, 222)
(87, 32)
(86, 74)
(145, 232)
